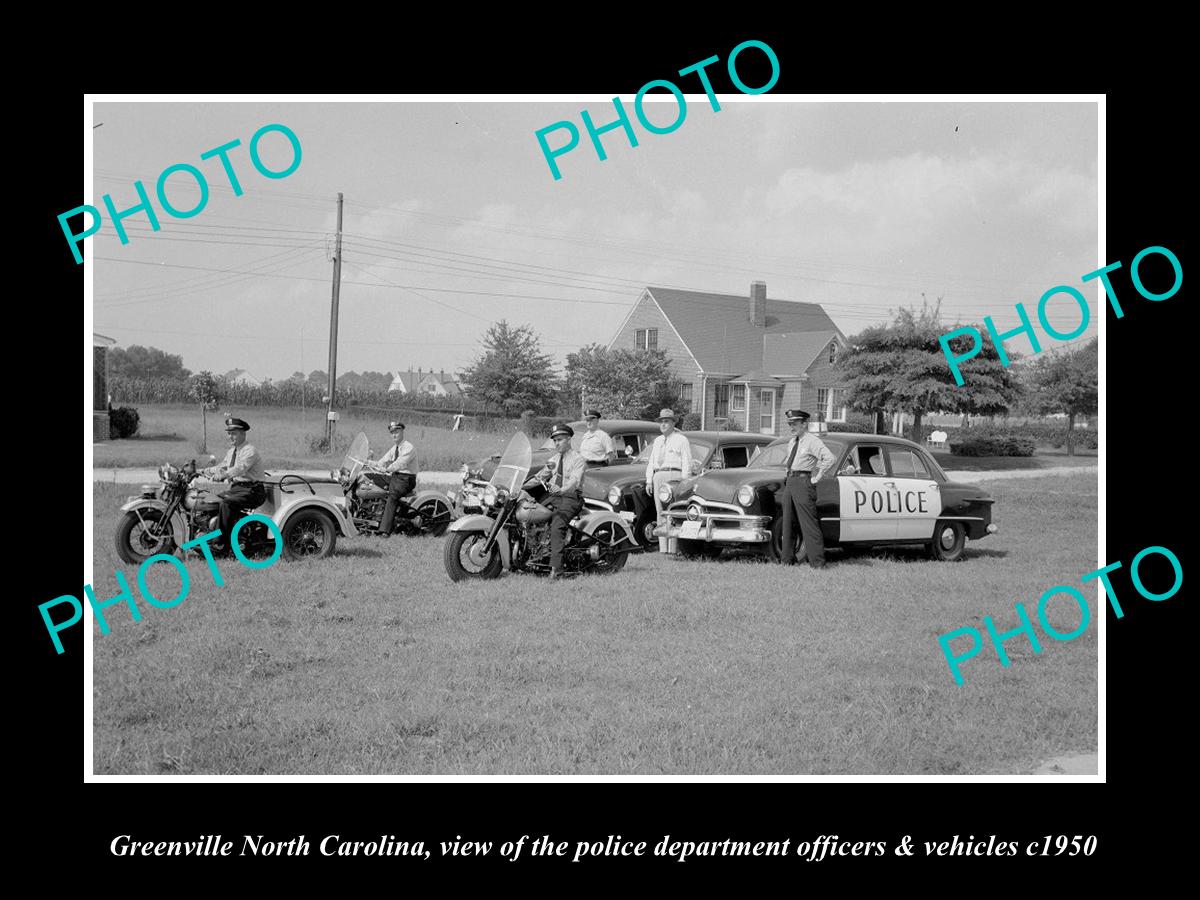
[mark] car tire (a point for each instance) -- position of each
(775, 548)
(689, 549)
(949, 541)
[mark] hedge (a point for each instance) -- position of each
(992, 445)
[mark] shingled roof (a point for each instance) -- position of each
(792, 354)
(718, 331)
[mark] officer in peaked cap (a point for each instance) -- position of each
(597, 446)
(563, 477)
(808, 460)
(670, 462)
(400, 465)
(243, 468)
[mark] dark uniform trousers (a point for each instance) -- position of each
(564, 507)
(399, 485)
(799, 499)
(241, 496)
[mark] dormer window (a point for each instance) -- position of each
(832, 352)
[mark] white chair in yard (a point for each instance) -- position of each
(938, 439)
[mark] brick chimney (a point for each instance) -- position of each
(758, 303)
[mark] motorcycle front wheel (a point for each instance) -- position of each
(464, 560)
(135, 543)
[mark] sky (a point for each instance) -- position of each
(452, 220)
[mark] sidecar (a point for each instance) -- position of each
(310, 512)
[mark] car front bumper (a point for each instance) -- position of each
(722, 528)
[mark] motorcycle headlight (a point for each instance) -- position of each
(490, 495)
(664, 493)
(745, 495)
(614, 495)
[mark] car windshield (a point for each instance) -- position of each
(700, 450)
(775, 455)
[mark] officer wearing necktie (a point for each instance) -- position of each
(400, 464)
(808, 460)
(563, 476)
(243, 468)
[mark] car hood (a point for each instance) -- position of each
(598, 482)
(722, 485)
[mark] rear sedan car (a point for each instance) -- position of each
(882, 491)
(621, 488)
(630, 437)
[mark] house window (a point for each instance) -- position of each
(721, 401)
(831, 404)
(646, 338)
(739, 397)
(832, 352)
(685, 396)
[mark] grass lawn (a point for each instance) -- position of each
(174, 433)
(1041, 459)
(374, 662)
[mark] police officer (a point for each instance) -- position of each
(808, 460)
(596, 446)
(243, 469)
(670, 461)
(400, 464)
(562, 475)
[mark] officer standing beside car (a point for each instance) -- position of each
(808, 460)
(596, 447)
(670, 461)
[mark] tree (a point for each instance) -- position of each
(626, 384)
(1067, 383)
(205, 389)
(512, 373)
(900, 367)
(145, 362)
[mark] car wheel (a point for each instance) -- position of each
(949, 541)
(775, 548)
(697, 549)
(308, 534)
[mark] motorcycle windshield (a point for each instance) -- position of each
(356, 456)
(513, 467)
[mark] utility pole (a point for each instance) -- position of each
(333, 324)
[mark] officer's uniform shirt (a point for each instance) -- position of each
(811, 456)
(573, 468)
(670, 452)
(243, 464)
(400, 458)
(596, 445)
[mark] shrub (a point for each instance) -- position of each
(122, 422)
(691, 422)
(853, 427)
(992, 445)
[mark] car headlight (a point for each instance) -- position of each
(614, 495)
(745, 495)
(664, 493)
(490, 495)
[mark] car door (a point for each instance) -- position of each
(916, 494)
(862, 495)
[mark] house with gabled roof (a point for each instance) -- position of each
(742, 358)
(439, 384)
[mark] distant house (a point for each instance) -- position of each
(100, 345)
(742, 357)
(439, 384)
(241, 376)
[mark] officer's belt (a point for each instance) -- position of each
(656, 471)
(792, 472)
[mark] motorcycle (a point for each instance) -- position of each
(309, 514)
(504, 537)
(366, 488)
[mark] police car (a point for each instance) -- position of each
(882, 491)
